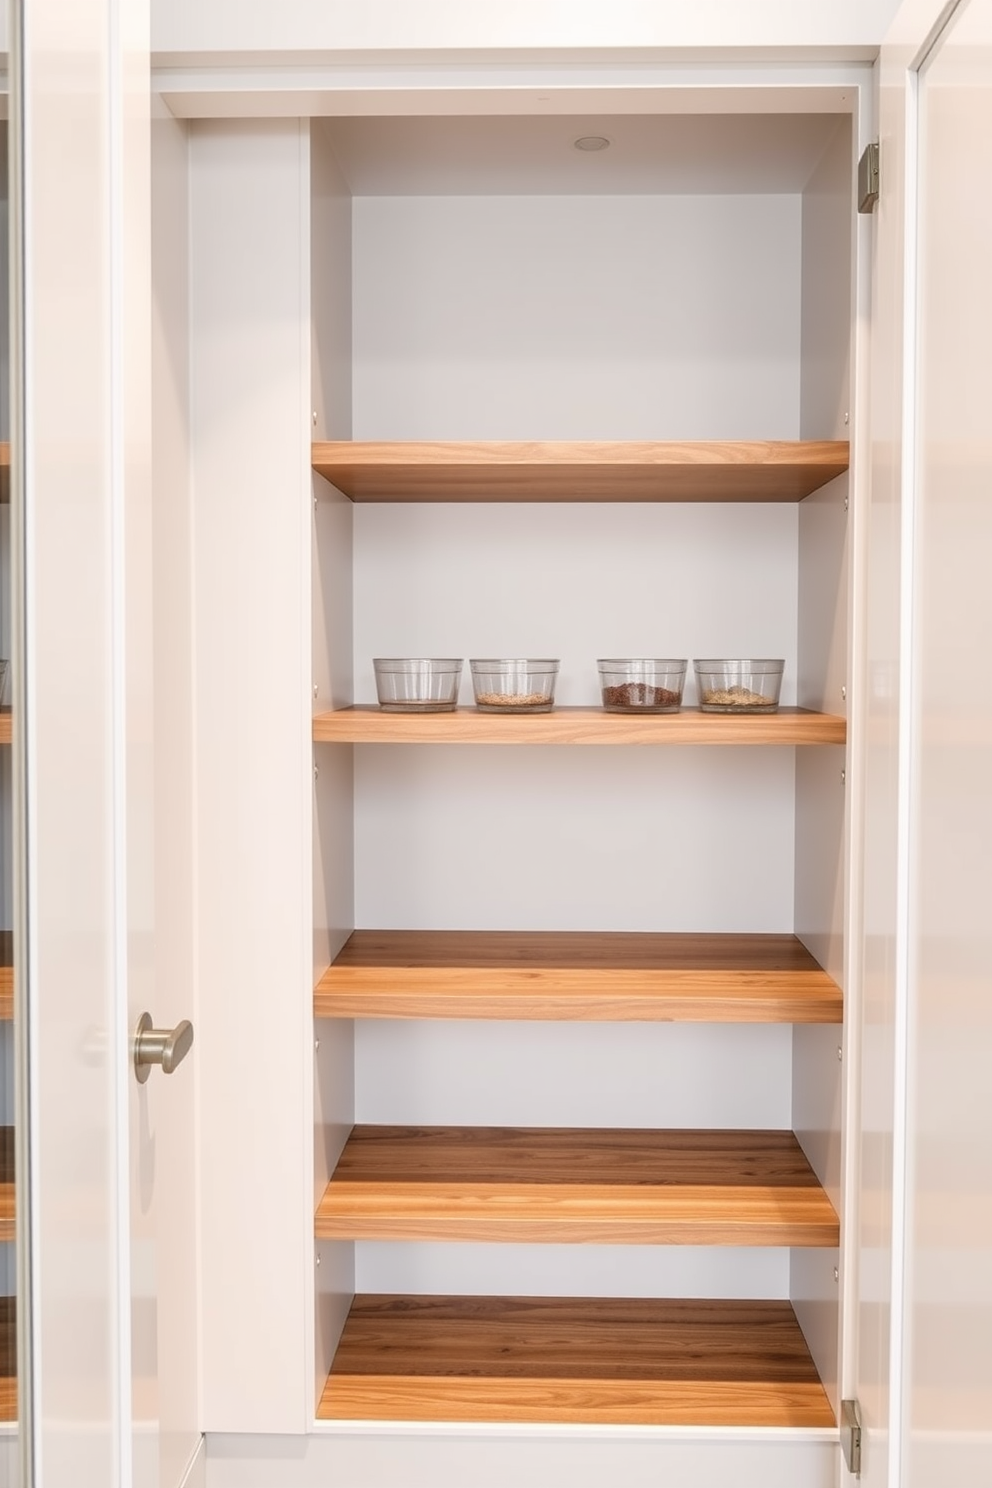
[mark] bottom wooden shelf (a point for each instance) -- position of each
(619, 1361)
(8, 1358)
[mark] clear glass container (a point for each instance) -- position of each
(410, 684)
(641, 685)
(505, 685)
(739, 685)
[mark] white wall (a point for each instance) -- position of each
(577, 317)
(568, 317)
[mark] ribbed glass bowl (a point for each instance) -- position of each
(739, 685)
(410, 684)
(506, 685)
(641, 685)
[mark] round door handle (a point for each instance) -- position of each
(165, 1046)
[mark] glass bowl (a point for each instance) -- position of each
(514, 686)
(410, 684)
(739, 685)
(646, 685)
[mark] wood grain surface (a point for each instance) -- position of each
(576, 1185)
(591, 976)
(6, 1183)
(6, 726)
(368, 724)
(636, 1361)
(571, 471)
(6, 974)
(8, 1358)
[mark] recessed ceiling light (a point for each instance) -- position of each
(592, 142)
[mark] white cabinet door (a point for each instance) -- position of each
(924, 1373)
(108, 1397)
(947, 1412)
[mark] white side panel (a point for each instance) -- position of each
(331, 671)
(383, 1457)
(217, 25)
(948, 1425)
(176, 1132)
(646, 317)
(252, 509)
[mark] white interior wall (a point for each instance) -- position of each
(331, 672)
(576, 317)
(571, 1270)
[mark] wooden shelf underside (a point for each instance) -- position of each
(580, 976)
(575, 1185)
(589, 1360)
(762, 470)
(368, 724)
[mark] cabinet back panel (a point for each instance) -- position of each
(572, 1270)
(573, 1074)
(665, 317)
(490, 838)
(576, 582)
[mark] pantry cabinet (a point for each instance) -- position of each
(548, 1069)
(573, 984)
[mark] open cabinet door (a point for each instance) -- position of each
(924, 1366)
(105, 1196)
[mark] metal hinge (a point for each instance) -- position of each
(868, 178)
(850, 1435)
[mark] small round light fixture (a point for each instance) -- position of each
(592, 142)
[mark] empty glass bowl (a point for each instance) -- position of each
(648, 685)
(514, 686)
(407, 684)
(742, 685)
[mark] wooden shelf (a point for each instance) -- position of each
(580, 471)
(6, 728)
(582, 976)
(368, 724)
(6, 975)
(575, 1185)
(625, 1361)
(6, 1183)
(8, 1358)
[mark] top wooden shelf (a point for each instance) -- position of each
(762, 470)
(6, 726)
